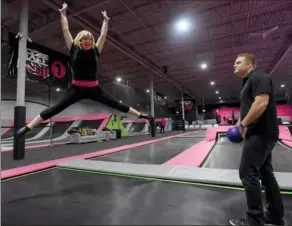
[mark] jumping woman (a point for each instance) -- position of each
(84, 57)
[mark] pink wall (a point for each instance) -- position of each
(282, 110)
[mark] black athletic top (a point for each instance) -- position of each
(84, 63)
(255, 83)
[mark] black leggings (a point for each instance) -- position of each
(76, 93)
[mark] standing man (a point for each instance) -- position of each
(259, 127)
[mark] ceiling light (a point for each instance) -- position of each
(203, 66)
(58, 89)
(212, 83)
(219, 98)
(217, 91)
(282, 86)
(182, 25)
(147, 90)
(119, 79)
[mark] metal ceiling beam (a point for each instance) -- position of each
(76, 13)
(126, 50)
(280, 60)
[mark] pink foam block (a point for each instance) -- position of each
(193, 156)
(288, 143)
(284, 133)
(212, 132)
(44, 165)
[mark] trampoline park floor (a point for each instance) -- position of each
(226, 155)
(76, 194)
(65, 197)
(155, 153)
(38, 155)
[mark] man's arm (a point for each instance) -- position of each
(257, 109)
(261, 88)
(101, 40)
(238, 121)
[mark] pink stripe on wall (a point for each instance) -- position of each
(5, 130)
(140, 120)
(134, 121)
(103, 124)
(75, 118)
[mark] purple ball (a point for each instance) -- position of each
(234, 134)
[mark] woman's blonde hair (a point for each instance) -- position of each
(84, 34)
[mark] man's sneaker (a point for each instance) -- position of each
(270, 223)
(240, 222)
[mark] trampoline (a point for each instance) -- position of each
(155, 153)
(226, 155)
(92, 197)
(65, 197)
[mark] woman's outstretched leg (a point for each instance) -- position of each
(71, 96)
(98, 94)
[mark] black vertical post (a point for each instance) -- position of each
(49, 96)
(20, 110)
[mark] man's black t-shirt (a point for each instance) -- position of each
(255, 83)
(84, 63)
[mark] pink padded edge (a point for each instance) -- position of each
(44, 165)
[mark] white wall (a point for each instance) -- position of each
(33, 109)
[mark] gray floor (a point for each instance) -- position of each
(63, 197)
(155, 153)
(226, 155)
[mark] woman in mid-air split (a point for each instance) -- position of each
(84, 59)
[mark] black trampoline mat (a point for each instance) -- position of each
(154, 153)
(44, 154)
(64, 197)
(226, 155)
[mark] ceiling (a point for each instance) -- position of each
(142, 40)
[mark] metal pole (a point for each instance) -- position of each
(183, 111)
(152, 98)
(19, 109)
(203, 110)
(49, 96)
(182, 106)
(152, 122)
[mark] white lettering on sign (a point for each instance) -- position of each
(34, 56)
(37, 63)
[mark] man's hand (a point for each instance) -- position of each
(243, 131)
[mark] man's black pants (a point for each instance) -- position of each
(256, 165)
